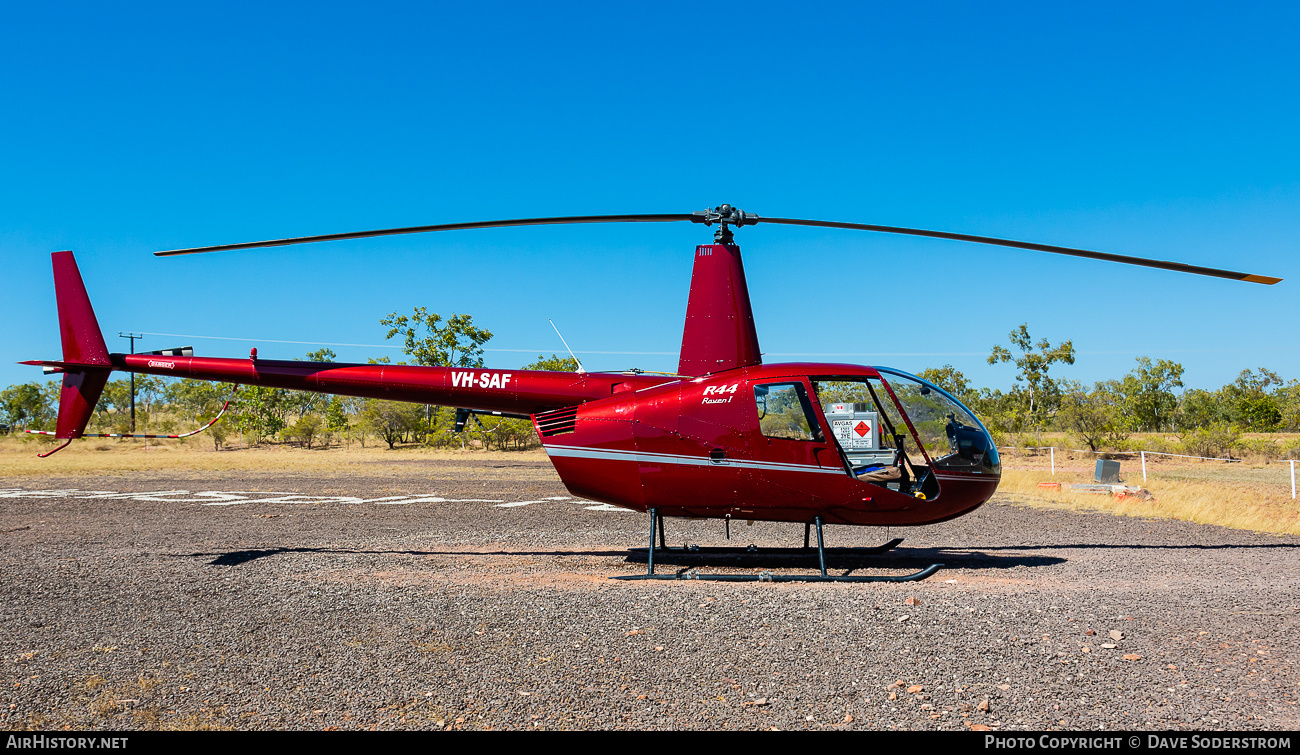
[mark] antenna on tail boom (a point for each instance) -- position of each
(566, 345)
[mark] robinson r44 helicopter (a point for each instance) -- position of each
(726, 437)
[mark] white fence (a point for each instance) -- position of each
(1144, 454)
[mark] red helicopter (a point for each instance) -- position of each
(726, 437)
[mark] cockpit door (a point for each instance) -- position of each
(791, 427)
(875, 434)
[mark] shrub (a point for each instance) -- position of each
(1215, 440)
(1259, 448)
(304, 430)
(1157, 444)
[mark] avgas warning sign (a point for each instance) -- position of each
(855, 434)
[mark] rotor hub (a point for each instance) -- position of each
(724, 215)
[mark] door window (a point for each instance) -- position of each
(785, 412)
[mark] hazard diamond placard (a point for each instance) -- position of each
(854, 434)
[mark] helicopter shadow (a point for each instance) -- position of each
(840, 559)
(847, 560)
(1144, 546)
(240, 557)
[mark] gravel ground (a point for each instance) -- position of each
(274, 610)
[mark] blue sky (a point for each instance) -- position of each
(1158, 130)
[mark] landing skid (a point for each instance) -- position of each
(768, 577)
(656, 527)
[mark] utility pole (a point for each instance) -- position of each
(132, 336)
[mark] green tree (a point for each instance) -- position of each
(507, 434)
(1148, 393)
(218, 434)
(391, 420)
(303, 403)
(1288, 403)
(29, 405)
(198, 401)
(1250, 400)
(953, 381)
(1198, 407)
(1095, 416)
(260, 411)
(340, 417)
(196, 398)
(148, 390)
(336, 416)
(305, 430)
(553, 363)
(1036, 393)
(115, 402)
(432, 342)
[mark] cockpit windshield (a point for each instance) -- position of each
(954, 436)
(869, 427)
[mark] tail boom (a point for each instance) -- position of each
(521, 392)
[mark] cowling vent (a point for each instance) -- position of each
(558, 422)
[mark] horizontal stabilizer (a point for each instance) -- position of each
(64, 365)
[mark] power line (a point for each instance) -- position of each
(391, 346)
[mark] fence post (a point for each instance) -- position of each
(1144, 467)
(1293, 479)
(1054, 462)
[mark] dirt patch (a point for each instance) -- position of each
(309, 614)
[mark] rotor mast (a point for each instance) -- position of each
(719, 332)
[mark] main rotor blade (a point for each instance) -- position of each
(729, 214)
(1161, 264)
(431, 228)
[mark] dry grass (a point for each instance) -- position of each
(18, 458)
(1243, 496)
(1258, 506)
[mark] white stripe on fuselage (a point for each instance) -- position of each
(695, 461)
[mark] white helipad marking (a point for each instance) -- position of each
(20, 493)
(241, 497)
(608, 507)
(526, 503)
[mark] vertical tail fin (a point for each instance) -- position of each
(83, 343)
(719, 333)
(84, 350)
